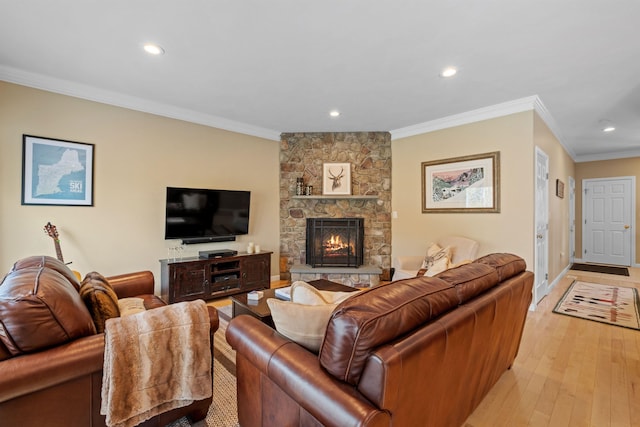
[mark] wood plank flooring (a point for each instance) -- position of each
(569, 371)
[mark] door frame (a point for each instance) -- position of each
(632, 248)
(541, 215)
(572, 220)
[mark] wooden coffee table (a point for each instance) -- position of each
(260, 309)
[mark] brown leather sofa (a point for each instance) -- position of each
(60, 385)
(415, 352)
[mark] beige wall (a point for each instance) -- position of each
(511, 230)
(137, 155)
(561, 166)
(605, 169)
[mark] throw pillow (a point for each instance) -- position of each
(100, 299)
(432, 249)
(303, 324)
(129, 306)
(304, 293)
(438, 262)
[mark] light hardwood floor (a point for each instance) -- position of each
(569, 371)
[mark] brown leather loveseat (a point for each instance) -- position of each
(51, 357)
(415, 352)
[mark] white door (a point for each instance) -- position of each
(608, 211)
(572, 220)
(541, 286)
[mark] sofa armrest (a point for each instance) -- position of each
(29, 373)
(297, 372)
(133, 284)
(409, 262)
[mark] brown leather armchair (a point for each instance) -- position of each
(60, 385)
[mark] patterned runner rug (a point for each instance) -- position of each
(615, 305)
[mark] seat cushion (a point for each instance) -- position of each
(40, 308)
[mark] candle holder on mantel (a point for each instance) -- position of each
(299, 187)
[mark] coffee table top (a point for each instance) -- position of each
(260, 308)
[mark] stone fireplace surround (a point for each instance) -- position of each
(302, 155)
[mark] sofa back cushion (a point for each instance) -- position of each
(470, 280)
(40, 308)
(506, 265)
(48, 262)
(379, 315)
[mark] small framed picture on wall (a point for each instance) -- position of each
(336, 179)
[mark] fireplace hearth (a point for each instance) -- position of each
(335, 242)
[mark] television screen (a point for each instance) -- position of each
(201, 213)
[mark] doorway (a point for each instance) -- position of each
(608, 210)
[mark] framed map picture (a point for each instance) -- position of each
(56, 172)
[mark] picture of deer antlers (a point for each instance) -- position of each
(337, 179)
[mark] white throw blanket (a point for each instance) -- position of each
(156, 361)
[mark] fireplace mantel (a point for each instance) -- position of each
(318, 197)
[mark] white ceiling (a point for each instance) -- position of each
(265, 67)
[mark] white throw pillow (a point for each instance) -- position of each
(303, 324)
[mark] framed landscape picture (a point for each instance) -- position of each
(462, 184)
(56, 172)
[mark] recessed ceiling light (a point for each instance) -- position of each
(334, 113)
(153, 49)
(449, 72)
(606, 125)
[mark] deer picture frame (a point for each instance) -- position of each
(336, 179)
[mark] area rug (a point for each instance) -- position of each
(223, 412)
(615, 305)
(607, 269)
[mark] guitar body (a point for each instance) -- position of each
(52, 232)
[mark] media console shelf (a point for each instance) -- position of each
(198, 278)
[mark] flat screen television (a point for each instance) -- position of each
(202, 215)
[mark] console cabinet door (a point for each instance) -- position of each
(256, 272)
(191, 282)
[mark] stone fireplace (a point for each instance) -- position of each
(335, 242)
(302, 155)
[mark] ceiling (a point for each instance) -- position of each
(266, 67)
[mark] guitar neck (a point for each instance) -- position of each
(56, 242)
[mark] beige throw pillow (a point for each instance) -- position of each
(304, 293)
(436, 261)
(303, 324)
(129, 306)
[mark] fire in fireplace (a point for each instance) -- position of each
(335, 242)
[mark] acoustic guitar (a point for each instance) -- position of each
(52, 232)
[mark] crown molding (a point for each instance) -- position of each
(607, 156)
(491, 112)
(484, 113)
(78, 90)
